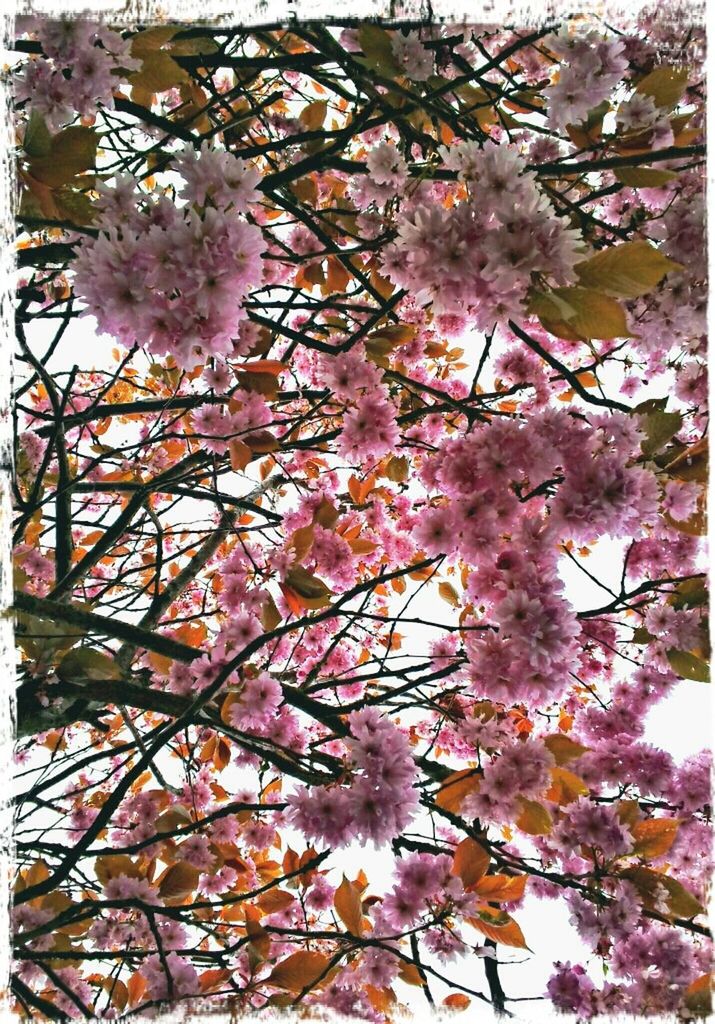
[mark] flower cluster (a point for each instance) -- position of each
(478, 257)
(174, 279)
(380, 800)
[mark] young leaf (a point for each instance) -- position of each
(471, 861)
(579, 314)
(626, 271)
(689, 666)
(654, 837)
(85, 663)
(349, 906)
(665, 84)
(298, 971)
(72, 151)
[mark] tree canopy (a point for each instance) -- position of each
(359, 489)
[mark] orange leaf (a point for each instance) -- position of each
(211, 980)
(565, 786)
(136, 987)
(471, 861)
(534, 818)
(272, 366)
(409, 974)
(274, 900)
(501, 888)
(499, 927)
(298, 971)
(449, 594)
(456, 787)
(654, 837)
(349, 906)
(457, 1001)
(240, 455)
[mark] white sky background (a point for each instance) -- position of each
(681, 723)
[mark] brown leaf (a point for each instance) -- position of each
(179, 881)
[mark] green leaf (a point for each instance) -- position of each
(72, 151)
(579, 314)
(159, 73)
(86, 663)
(37, 139)
(689, 666)
(626, 271)
(644, 177)
(75, 206)
(659, 428)
(689, 594)
(376, 45)
(665, 84)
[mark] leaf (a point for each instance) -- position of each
(214, 979)
(654, 837)
(275, 900)
(665, 84)
(691, 463)
(312, 591)
(409, 974)
(159, 72)
(76, 207)
(457, 1001)
(627, 270)
(274, 367)
(113, 865)
(563, 748)
(471, 861)
(689, 666)
(689, 594)
(397, 469)
(179, 881)
(456, 787)
(376, 45)
(298, 971)
(565, 786)
(72, 151)
(348, 905)
(659, 427)
(312, 116)
(37, 139)
(449, 594)
(136, 987)
(240, 455)
(270, 615)
(644, 177)
(534, 818)
(698, 996)
(681, 902)
(579, 314)
(86, 663)
(499, 927)
(501, 888)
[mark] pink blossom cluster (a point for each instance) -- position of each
(477, 257)
(380, 800)
(86, 62)
(522, 769)
(591, 67)
(171, 279)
